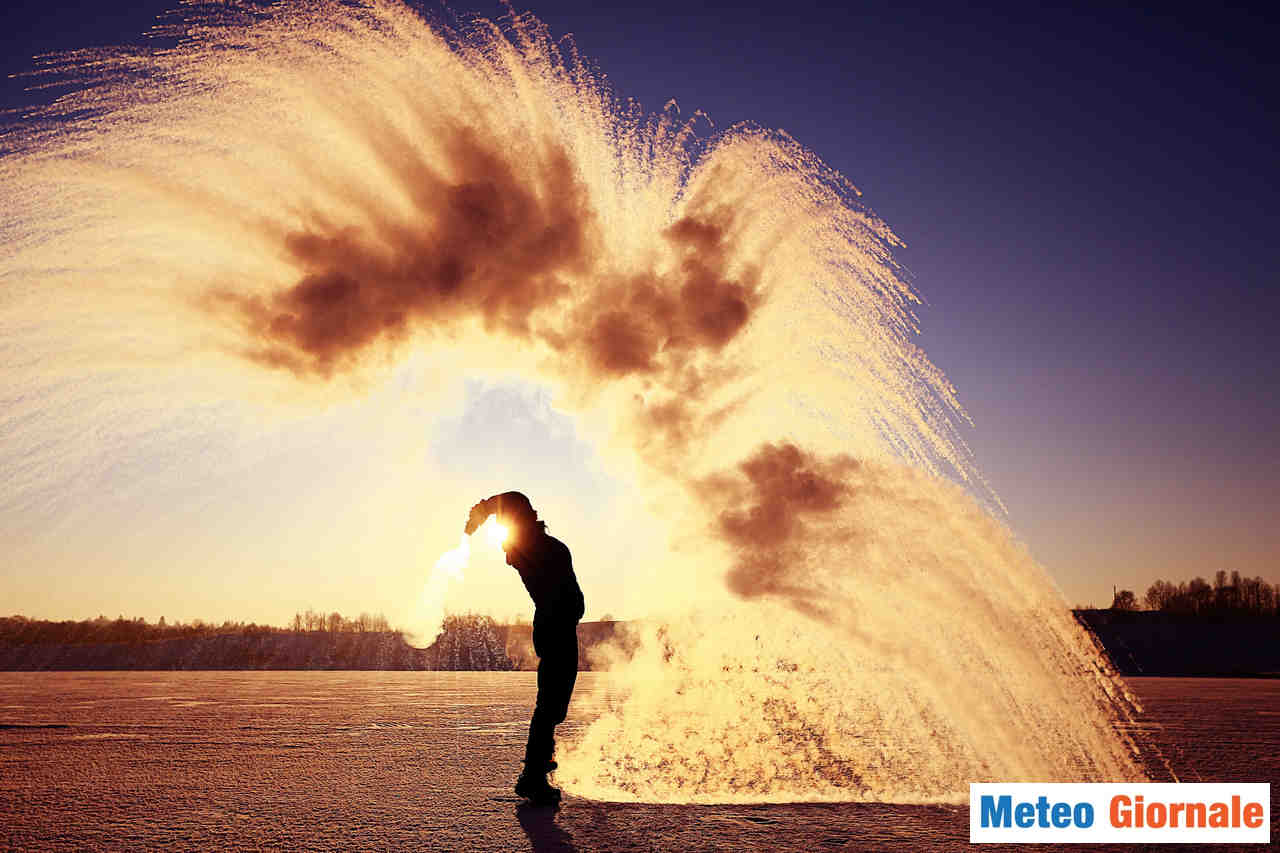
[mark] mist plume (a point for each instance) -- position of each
(281, 202)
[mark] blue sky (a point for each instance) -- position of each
(1088, 202)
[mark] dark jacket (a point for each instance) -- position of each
(546, 568)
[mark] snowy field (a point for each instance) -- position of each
(425, 761)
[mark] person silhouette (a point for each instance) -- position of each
(546, 568)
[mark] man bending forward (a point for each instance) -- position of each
(546, 569)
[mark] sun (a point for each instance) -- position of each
(494, 532)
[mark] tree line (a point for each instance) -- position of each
(336, 623)
(19, 630)
(1228, 597)
(471, 641)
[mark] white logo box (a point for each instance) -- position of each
(1162, 802)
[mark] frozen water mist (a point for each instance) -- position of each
(277, 204)
(922, 649)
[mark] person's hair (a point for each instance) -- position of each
(518, 504)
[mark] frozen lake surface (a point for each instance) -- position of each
(426, 760)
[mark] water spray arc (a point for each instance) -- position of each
(450, 567)
(298, 197)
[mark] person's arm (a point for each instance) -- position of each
(479, 513)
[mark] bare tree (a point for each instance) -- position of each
(1124, 600)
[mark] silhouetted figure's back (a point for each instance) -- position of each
(546, 568)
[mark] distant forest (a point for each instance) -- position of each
(311, 641)
(1229, 628)
(1228, 598)
(19, 630)
(466, 641)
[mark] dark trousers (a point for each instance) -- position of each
(557, 648)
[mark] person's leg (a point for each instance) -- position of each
(563, 677)
(542, 727)
(557, 673)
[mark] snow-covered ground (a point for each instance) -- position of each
(426, 760)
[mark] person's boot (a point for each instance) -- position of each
(533, 786)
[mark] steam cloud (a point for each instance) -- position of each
(765, 515)
(316, 187)
(518, 249)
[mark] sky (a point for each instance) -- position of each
(1087, 199)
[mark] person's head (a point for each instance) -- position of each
(514, 512)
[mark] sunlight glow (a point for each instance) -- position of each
(494, 533)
